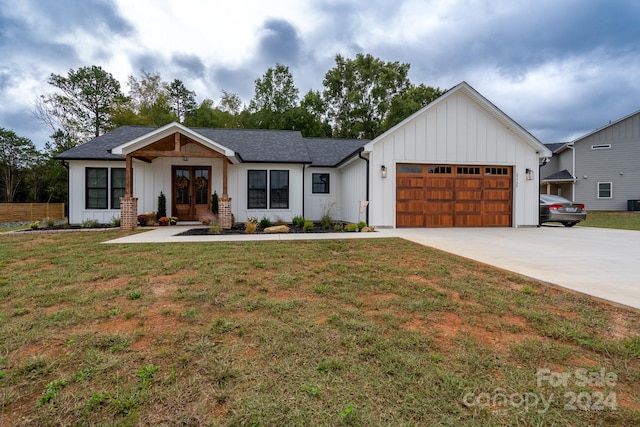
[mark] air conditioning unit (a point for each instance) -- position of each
(633, 205)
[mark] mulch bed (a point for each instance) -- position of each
(239, 229)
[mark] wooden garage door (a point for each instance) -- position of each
(453, 196)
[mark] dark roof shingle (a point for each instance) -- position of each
(261, 146)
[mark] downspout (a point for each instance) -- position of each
(66, 205)
(540, 165)
(573, 172)
(303, 191)
(367, 185)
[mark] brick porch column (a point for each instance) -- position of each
(128, 213)
(224, 211)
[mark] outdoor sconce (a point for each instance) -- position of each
(383, 171)
(185, 159)
(529, 174)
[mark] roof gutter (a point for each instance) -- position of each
(367, 186)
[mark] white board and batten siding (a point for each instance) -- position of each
(454, 130)
(238, 191)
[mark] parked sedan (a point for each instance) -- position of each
(558, 209)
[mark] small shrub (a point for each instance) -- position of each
(326, 221)
(361, 225)
(338, 227)
(351, 227)
(250, 227)
(34, 225)
(215, 228)
(265, 222)
(133, 295)
(298, 221)
(115, 222)
(49, 221)
(308, 226)
(90, 223)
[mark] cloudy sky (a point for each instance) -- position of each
(560, 68)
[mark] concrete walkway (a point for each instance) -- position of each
(600, 262)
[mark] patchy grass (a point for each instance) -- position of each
(619, 220)
(355, 332)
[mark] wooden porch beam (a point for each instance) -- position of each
(128, 176)
(225, 163)
(176, 137)
(156, 153)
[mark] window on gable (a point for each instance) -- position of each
(600, 146)
(605, 190)
(320, 183)
(257, 189)
(279, 189)
(118, 184)
(96, 188)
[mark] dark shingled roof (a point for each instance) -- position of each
(262, 146)
(563, 175)
(100, 148)
(555, 146)
(331, 152)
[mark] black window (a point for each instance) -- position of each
(118, 184)
(279, 190)
(257, 189)
(320, 183)
(96, 191)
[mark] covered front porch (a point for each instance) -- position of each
(184, 166)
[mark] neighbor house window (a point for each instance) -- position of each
(320, 183)
(118, 184)
(96, 191)
(257, 189)
(279, 189)
(605, 190)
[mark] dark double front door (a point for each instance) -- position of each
(191, 192)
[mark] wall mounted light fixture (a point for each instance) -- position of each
(529, 174)
(185, 159)
(383, 171)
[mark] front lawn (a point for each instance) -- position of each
(619, 220)
(339, 332)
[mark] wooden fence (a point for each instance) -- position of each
(18, 212)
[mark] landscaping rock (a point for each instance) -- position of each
(367, 230)
(276, 229)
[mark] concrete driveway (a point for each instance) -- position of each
(596, 261)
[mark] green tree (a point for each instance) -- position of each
(48, 175)
(230, 102)
(358, 93)
(181, 100)
(275, 91)
(17, 154)
(83, 104)
(408, 102)
(147, 103)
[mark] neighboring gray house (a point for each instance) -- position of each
(600, 169)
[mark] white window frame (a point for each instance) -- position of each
(610, 190)
(601, 146)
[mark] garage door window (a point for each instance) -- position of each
(496, 171)
(439, 169)
(410, 169)
(468, 171)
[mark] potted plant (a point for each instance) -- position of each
(173, 220)
(215, 203)
(163, 220)
(162, 206)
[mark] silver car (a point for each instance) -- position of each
(558, 209)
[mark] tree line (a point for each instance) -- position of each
(362, 97)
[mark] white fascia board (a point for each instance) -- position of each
(170, 129)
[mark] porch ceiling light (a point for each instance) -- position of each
(383, 171)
